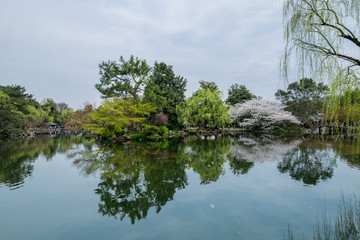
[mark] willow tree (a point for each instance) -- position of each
(204, 107)
(322, 37)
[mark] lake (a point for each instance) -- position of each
(238, 187)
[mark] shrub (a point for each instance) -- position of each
(151, 130)
(154, 137)
(163, 131)
(137, 137)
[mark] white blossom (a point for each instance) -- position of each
(261, 114)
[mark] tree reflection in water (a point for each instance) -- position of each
(315, 159)
(135, 177)
(17, 157)
(308, 165)
(138, 177)
(207, 157)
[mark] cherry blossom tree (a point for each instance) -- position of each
(261, 114)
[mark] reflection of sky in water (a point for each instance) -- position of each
(59, 202)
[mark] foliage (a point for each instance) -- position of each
(82, 116)
(163, 131)
(123, 78)
(208, 86)
(322, 35)
(36, 116)
(304, 99)
(151, 130)
(261, 114)
(344, 103)
(59, 113)
(17, 108)
(166, 91)
(137, 137)
(238, 94)
(204, 107)
(50, 107)
(114, 115)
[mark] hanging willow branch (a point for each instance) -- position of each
(322, 36)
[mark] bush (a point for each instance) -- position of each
(151, 130)
(110, 131)
(137, 137)
(163, 131)
(154, 137)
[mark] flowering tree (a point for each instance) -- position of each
(261, 114)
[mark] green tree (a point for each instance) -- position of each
(304, 98)
(208, 85)
(166, 91)
(323, 37)
(204, 107)
(123, 78)
(16, 108)
(50, 107)
(113, 116)
(19, 98)
(238, 94)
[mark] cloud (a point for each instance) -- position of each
(49, 45)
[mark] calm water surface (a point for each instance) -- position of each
(242, 187)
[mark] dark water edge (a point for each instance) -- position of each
(242, 187)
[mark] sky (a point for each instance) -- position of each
(53, 48)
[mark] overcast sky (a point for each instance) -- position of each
(53, 48)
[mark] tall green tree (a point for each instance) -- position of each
(50, 107)
(238, 94)
(166, 91)
(208, 85)
(19, 98)
(204, 107)
(17, 108)
(323, 37)
(123, 78)
(304, 98)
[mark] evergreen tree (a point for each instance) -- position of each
(123, 79)
(166, 91)
(238, 94)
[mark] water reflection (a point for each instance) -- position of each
(262, 148)
(17, 157)
(207, 158)
(135, 178)
(308, 165)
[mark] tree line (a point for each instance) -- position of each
(150, 100)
